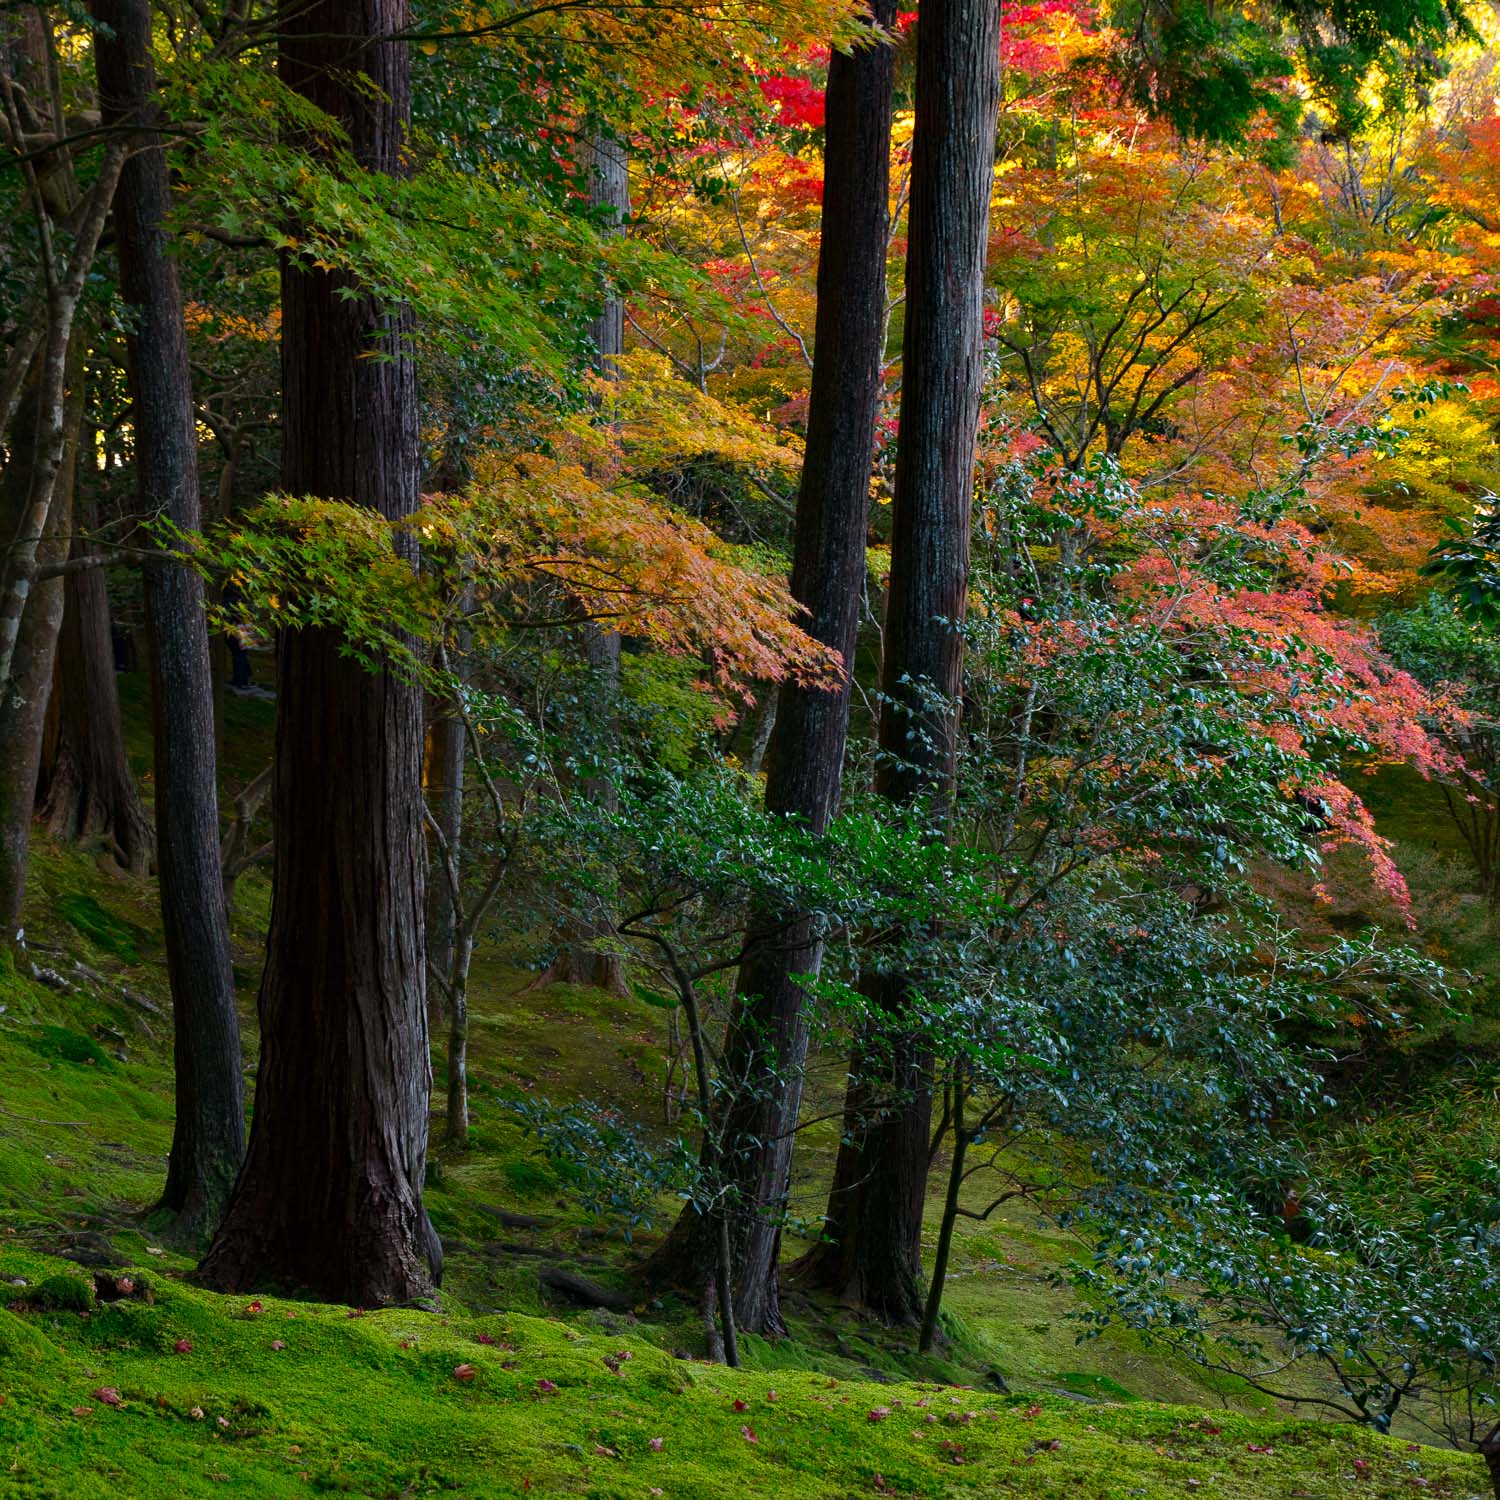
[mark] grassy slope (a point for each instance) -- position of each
(344, 1407)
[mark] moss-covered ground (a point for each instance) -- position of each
(170, 1390)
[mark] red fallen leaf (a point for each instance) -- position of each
(748, 1433)
(880, 1481)
(483, 1338)
(655, 1445)
(464, 1372)
(771, 1396)
(407, 1343)
(82, 1411)
(356, 1312)
(1032, 1411)
(108, 1395)
(741, 1405)
(1259, 1448)
(182, 1346)
(544, 1386)
(277, 1345)
(878, 1413)
(624, 1356)
(604, 1452)
(254, 1309)
(1361, 1464)
(125, 1286)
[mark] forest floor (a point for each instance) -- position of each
(170, 1390)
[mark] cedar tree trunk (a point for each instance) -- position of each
(871, 1254)
(609, 189)
(766, 1048)
(208, 1140)
(330, 1198)
(87, 794)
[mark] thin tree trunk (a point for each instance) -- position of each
(871, 1254)
(458, 1042)
(23, 712)
(443, 774)
(765, 1051)
(961, 1140)
(609, 189)
(87, 794)
(208, 1140)
(49, 443)
(330, 1198)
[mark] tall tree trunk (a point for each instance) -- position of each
(87, 794)
(23, 713)
(871, 1254)
(609, 189)
(765, 1051)
(330, 1198)
(443, 777)
(208, 1140)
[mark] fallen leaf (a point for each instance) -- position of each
(108, 1395)
(544, 1386)
(748, 1434)
(741, 1405)
(183, 1346)
(196, 1414)
(277, 1345)
(604, 1452)
(656, 1445)
(464, 1372)
(878, 1413)
(82, 1411)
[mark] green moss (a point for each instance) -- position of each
(526, 1178)
(68, 1046)
(105, 929)
(371, 1406)
(64, 1292)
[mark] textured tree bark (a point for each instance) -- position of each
(208, 1140)
(765, 1050)
(330, 1198)
(23, 711)
(609, 189)
(1489, 1450)
(871, 1253)
(87, 794)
